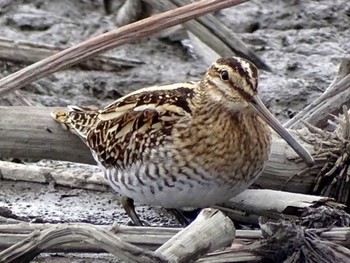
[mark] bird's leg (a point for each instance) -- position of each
(180, 217)
(128, 205)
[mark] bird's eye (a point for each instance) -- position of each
(224, 75)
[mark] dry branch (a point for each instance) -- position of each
(219, 231)
(109, 40)
(145, 237)
(214, 229)
(242, 250)
(22, 99)
(29, 52)
(248, 206)
(83, 176)
(58, 235)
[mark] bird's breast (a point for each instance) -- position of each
(230, 147)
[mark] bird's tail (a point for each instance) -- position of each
(77, 119)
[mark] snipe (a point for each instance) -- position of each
(190, 144)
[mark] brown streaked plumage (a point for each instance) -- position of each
(189, 144)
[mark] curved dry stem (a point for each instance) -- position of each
(39, 241)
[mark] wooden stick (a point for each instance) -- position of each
(154, 237)
(81, 176)
(145, 237)
(22, 99)
(39, 241)
(216, 231)
(248, 206)
(29, 52)
(210, 231)
(109, 40)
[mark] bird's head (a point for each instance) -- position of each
(232, 83)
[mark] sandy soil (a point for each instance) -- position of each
(302, 41)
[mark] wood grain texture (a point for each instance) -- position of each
(30, 132)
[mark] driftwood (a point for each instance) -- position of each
(214, 229)
(41, 135)
(250, 205)
(145, 237)
(270, 243)
(28, 52)
(217, 231)
(83, 176)
(30, 247)
(22, 99)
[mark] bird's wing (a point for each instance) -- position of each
(138, 122)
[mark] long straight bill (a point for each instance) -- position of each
(267, 116)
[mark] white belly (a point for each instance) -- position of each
(184, 192)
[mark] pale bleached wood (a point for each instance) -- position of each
(153, 237)
(109, 40)
(215, 229)
(248, 206)
(30, 52)
(285, 170)
(210, 231)
(30, 132)
(145, 237)
(22, 99)
(80, 176)
(38, 241)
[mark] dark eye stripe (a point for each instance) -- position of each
(248, 72)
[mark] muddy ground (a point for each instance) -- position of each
(302, 41)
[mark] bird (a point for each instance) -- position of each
(192, 144)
